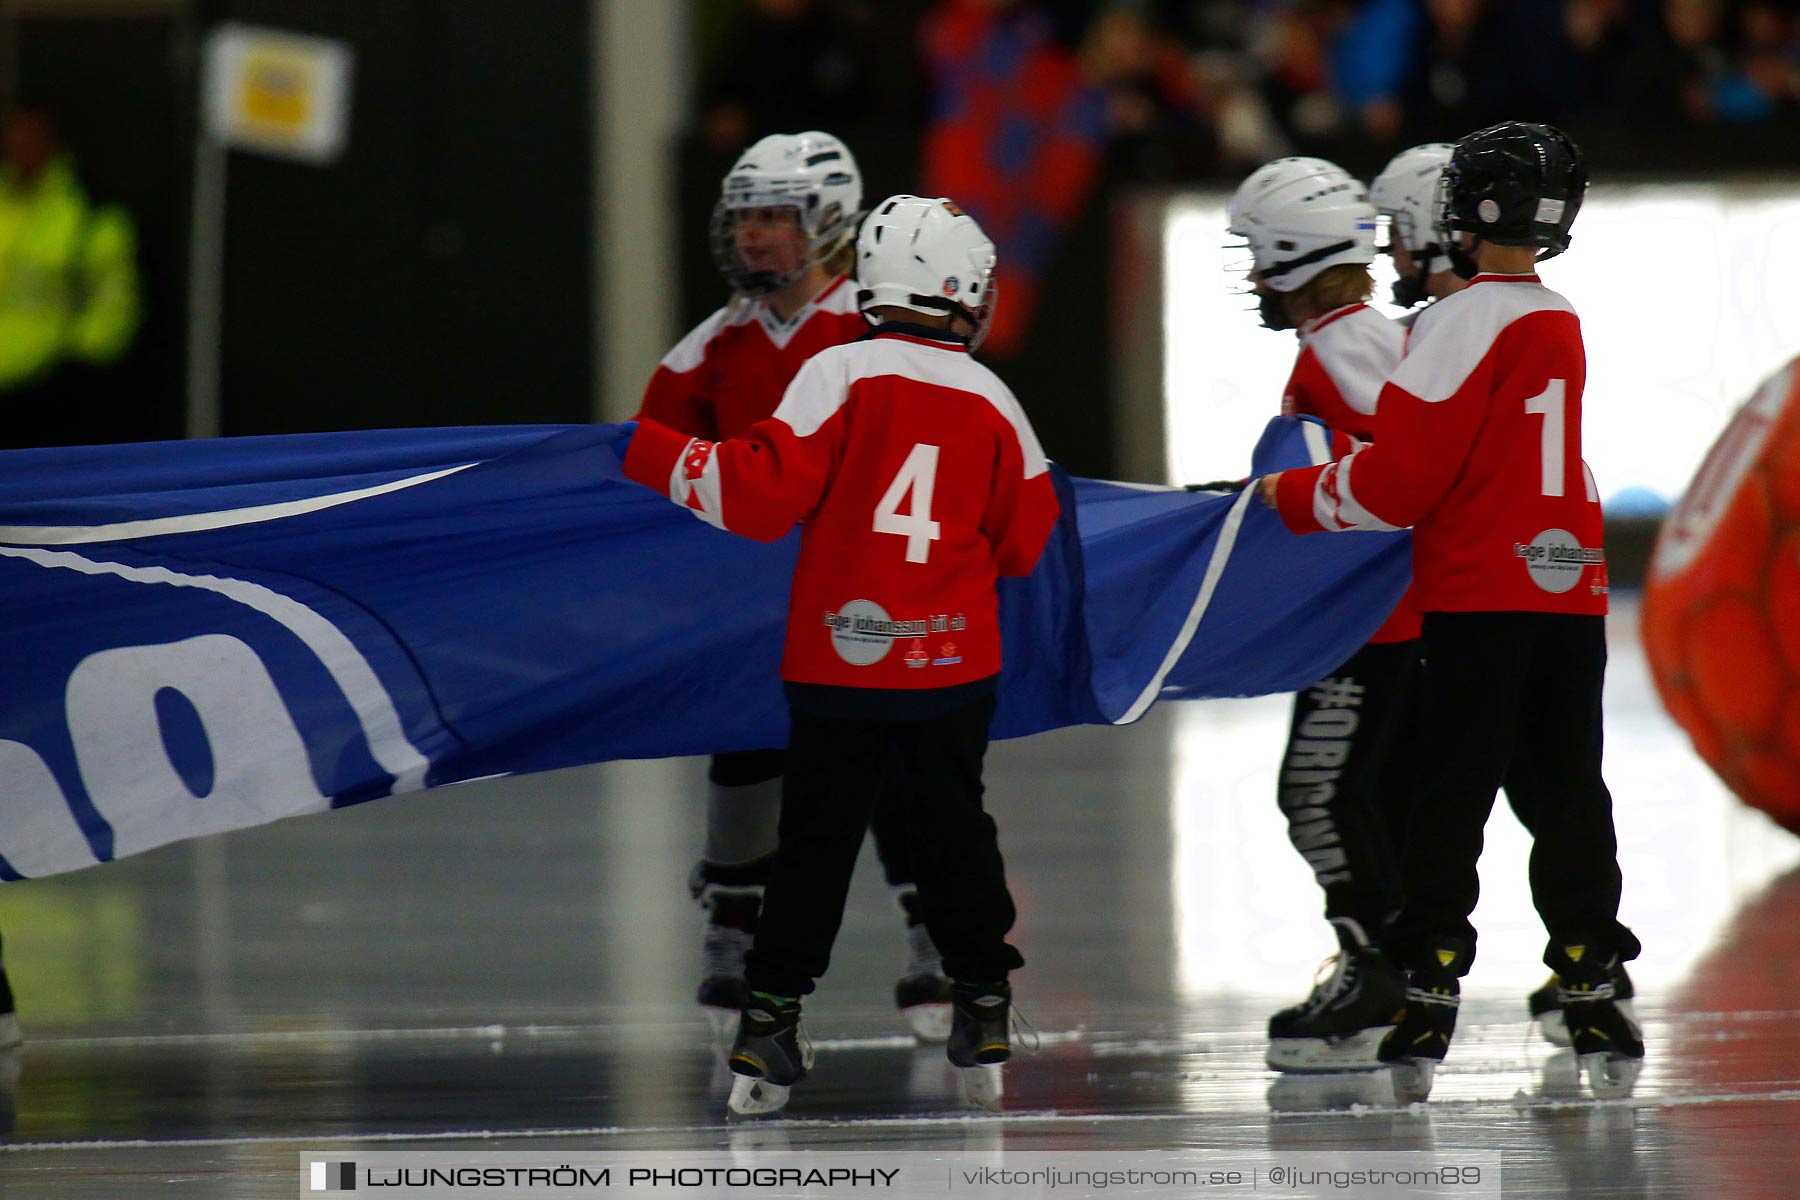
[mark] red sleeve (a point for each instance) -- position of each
(1299, 397)
(674, 399)
(1294, 496)
(758, 485)
(1020, 511)
(1397, 481)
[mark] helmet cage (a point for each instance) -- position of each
(825, 230)
(822, 189)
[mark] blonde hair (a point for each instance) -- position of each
(1334, 287)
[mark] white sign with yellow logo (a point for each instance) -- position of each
(283, 93)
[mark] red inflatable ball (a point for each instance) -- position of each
(1722, 604)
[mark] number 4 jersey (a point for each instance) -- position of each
(919, 481)
(1478, 449)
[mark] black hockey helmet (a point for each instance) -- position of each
(1514, 184)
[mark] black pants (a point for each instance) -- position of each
(835, 770)
(1343, 789)
(741, 768)
(1511, 699)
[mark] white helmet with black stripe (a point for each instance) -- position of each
(1300, 216)
(1406, 193)
(814, 175)
(927, 255)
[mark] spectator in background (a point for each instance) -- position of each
(69, 300)
(1291, 44)
(1157, 114)
(1459, 69)
(1018, 135)
(1370, 59)
(789, 65)
(1759, 79)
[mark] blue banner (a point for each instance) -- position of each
(208, 635)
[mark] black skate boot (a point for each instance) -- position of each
(980, 1039)
(770, 1055)
(923, 993)
(1340, 1025)
(732, 898)
(1419, 1042)
(1604, 1035)
(1546, 1004)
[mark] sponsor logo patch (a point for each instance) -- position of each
(1556, 559)
(862, 633)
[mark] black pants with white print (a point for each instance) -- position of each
(932, 767)
(1343, 788)
(1512, 699)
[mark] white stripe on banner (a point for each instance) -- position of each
(1228, 533)
(370, 701)
(1318, 442)
(69, 535)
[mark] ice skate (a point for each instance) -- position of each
(1415, 1047)
(731, 916)
(1603, 1033)
(981, 1040)
(1339, 1027)
(769, 1056)
(1546, 1005)
(923, 993)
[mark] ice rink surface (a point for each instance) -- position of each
(510, 964)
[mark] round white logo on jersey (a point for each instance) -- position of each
(1556, 560)
(855, 636)
(1488, 211)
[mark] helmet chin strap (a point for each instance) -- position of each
(1463, 261)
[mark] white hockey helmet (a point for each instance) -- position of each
(812, 173)
(1300, 216)
(928, 255)
(1406, 193)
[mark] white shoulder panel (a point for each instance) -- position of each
(950, 369)
(690, 351)
(1359, 351)
(818, 390)
(1461, 329)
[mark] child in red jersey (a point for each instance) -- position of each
(1406, 196)
(918, 481)
(782, 236)
(1343, 788)
(1480, 454)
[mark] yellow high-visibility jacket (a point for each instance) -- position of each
(68, 277)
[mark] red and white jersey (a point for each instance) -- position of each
(919, 480)
(1346, 356)
(731, 370)
(1480, 452)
